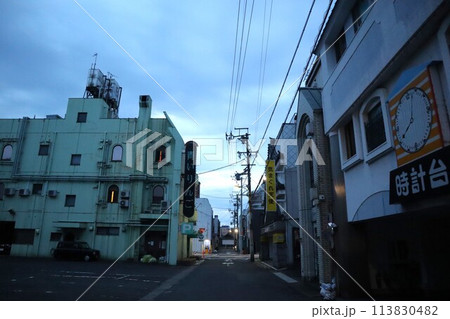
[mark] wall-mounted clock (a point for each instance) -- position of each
(413, 120)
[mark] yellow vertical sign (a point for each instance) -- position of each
(271, 204)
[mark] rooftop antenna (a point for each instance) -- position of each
(95, 60)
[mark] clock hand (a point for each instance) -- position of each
(411, 119)
(407, 128)
(411, 106)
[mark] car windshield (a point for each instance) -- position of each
(83, 245)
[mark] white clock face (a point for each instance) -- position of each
(413, 120)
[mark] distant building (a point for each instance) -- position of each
(215, 240)
(91, 176)
(203, 223)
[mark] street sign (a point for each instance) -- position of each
(187, 228)
(201, 237)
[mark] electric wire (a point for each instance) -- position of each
(301, 78)
(263, 60)
(287, 75)
(238, 85)
(234, 89)
(234, 64)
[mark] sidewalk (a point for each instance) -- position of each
(310, 289)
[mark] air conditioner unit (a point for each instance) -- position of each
(125, 194)
(124, 203)
(52, 193)
(24, 192)
(10, 191)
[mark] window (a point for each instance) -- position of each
(70, 201)
(158, 194)
(359, 13)
(7, 152)
(24, 236)
(75, 160)
(349, 138)
(340, 45)
(113, 194)
(160, 154)
(108, 231)
(117, 153)
(2, 190)
(37, 189)
(82, 117)
(43, 149)
(350, 146)
(376, 136)
(374, 125)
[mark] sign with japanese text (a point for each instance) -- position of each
(425, 177)
(271, 204)
(189, 179)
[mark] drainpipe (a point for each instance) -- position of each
(44, 190)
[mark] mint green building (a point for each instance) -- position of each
(92, 176)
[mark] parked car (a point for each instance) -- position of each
(5, 249)
(75, 250)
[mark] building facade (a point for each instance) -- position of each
(383, 68)
(280, 232)
(91, 176)
(315, 196)
(204, 224)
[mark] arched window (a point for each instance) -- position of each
(160, 154)
(117, 153)
(113, 194)
(7, 152)
(372, 117)
(158, 194)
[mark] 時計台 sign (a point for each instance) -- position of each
(425, 177)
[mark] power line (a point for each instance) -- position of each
(234, 64)
(240, 71)
(263, 60)
(287, 74)
(301, 78)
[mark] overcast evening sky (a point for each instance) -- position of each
(187, 46)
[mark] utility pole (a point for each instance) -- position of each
(244, 138)
(238, 178)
